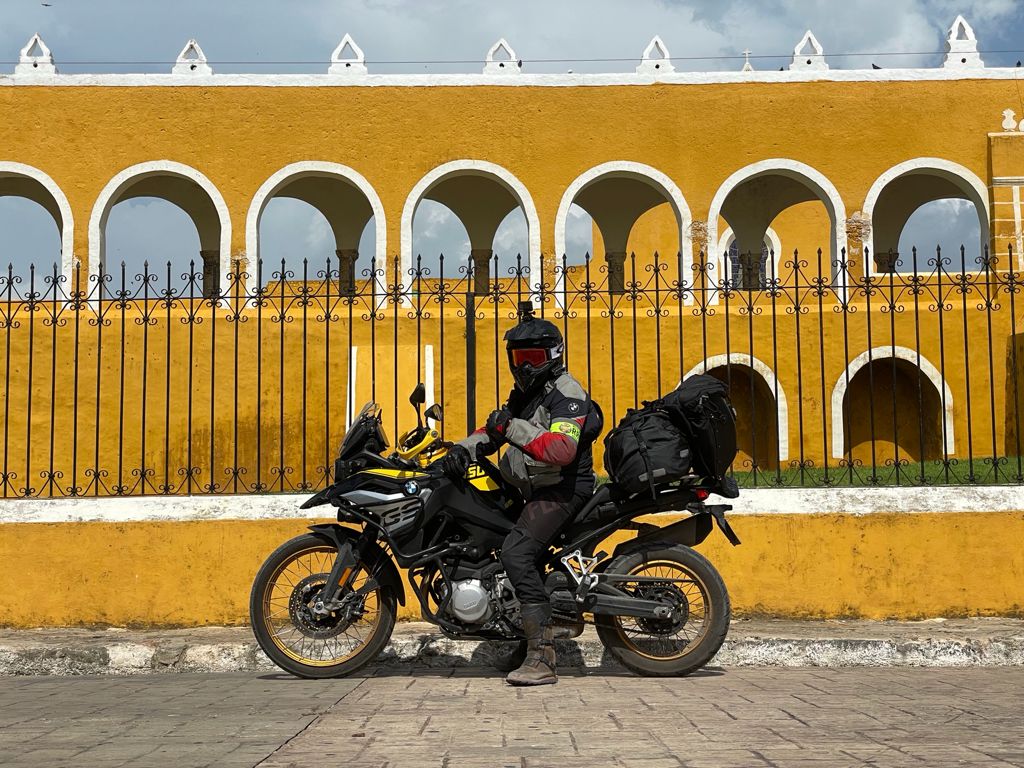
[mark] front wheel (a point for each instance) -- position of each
(687, 640)
(302, 642)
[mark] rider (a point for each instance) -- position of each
(548, 424)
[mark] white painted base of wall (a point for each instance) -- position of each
(762, 501)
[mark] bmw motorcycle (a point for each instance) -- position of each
(324, 603)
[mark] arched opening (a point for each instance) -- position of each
(790, 197)
(950, 226)
(616, 196)
(485, 199)
(153, 240)
(891, 402)
(37, 224)
(317, 212)
(188, 190)
(767, 267)
(925, 203)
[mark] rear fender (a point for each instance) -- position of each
(380, 565)
(689, 532)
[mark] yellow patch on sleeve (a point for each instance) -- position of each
(569, 428)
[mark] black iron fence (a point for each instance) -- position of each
(128, 384)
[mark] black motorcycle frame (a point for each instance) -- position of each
(459, 529)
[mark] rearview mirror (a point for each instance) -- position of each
(433, 412)
(419, 395)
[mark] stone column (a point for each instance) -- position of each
(885, 261)
(481, 269)
(347, 269)
(616, 261)
(750, 264)
(211, 274)
(858, 231)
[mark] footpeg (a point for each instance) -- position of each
(582, 571)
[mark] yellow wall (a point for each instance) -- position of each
(191, 572)
(198, 573)
(239, 136)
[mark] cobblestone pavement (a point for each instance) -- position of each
(468, 717)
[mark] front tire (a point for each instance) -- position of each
(299, 641)
(668, 647)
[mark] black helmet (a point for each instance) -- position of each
(534, 349)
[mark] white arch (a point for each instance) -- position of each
(794, 169)
(480, 167)
(773, 237)
(769, 378)
(67, 219)
(127, 177)
(289, 173)
(885, 353)
(946, 169)
(668, 188)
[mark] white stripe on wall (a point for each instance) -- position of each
(765, 501)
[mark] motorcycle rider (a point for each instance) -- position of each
(548, 425)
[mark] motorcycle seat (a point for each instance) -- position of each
(600, 506)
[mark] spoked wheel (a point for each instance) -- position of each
(302, 641)
(686, 640)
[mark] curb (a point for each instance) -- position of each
(411, 651)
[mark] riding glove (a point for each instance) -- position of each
(456, 462)
(496, 425)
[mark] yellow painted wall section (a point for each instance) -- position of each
(239, 136)
(199, 573)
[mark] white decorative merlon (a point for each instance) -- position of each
(502, 60)
(1010, 121)
(656, 58)
(808, 54)
(348, 58)
(747, 66)
(35, 59)
(191, 61)
(962, 47)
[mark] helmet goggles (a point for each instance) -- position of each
(533, 356)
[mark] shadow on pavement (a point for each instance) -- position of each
(494, 659)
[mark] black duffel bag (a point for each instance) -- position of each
(646, 450)
(700, 407)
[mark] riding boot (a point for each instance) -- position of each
(539, 666)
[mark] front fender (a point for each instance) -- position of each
(381, 566)
(319, 499)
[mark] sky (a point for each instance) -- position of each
(425, 36)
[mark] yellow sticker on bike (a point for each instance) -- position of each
(570, 428)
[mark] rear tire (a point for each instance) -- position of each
(661, 648)
(301, 643)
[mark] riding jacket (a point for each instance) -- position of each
(549, 436)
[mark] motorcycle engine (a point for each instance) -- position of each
(471, 601)
(475, 601)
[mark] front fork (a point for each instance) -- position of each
(344, 568)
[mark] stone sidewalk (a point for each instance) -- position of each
(937, 643)
(465, 718)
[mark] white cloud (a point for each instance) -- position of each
(947, 224)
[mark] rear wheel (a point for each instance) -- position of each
(682, 643)
(299, 640)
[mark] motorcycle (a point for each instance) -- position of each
(324, 604)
